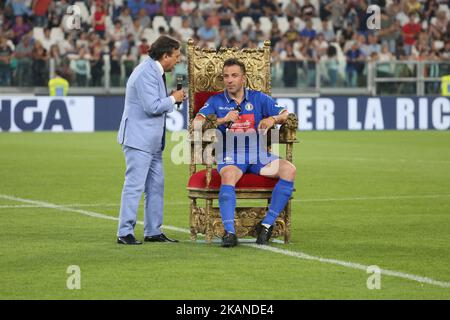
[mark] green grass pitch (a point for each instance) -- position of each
(363, 198)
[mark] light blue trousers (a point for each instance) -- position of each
(144, 174)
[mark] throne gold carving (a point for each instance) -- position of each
(205, 79)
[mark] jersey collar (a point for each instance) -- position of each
(229, 99)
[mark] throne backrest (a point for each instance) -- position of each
(205, 71)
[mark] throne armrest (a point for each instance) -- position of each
(209, 123)
(288, 130)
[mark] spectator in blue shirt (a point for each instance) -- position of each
(152, 7)
(207, 33)
(135, 6)
(19, 7)
(355, 64)
(309, 32)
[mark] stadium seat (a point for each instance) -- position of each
(57, 34)
(65, 23)
(299, 23)
(316, 5)
(283, 23)
(439, 44)
(159, 21)
(246, 22)
(317, 24)
(339, 34)
(444, 7)
(38, 33)
(175, 22)
(84, 12)
(266, 25)
(109, 25)
(150, 34)
(342, 60)
(403, 18)
(234, 24)
(204, 70)
(284, 3)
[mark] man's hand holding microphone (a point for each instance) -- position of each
(179, 94)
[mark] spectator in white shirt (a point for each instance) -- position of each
(47, 41)
(126, 19)
(185, 31)
(327, 31)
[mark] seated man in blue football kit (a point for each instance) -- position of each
(243, 111)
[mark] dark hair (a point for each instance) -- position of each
(163, 45)
(234, 62)
(331, 51)
(59, 72)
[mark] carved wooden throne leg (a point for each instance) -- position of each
(192, 220)
(287, 221)
(209, 229)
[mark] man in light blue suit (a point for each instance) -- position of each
(142, 136)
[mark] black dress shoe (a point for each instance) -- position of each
(128, 239)
(159, 238)
(229, 240)
(263, 233)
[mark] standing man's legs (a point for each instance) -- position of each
(138, 163)
(154, 197)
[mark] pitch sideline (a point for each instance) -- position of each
(365, 198)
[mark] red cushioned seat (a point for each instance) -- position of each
(248, 181)
(200, 99)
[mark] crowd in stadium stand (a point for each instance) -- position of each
(303, 33)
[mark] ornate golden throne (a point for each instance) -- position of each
(205, 79)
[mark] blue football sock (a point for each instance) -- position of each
(227, 204)
(280, 197)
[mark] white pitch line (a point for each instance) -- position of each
(241, 241)
(49, 205)
(374, 198)
(299, 255)
(19, 206)
(169, 203)
(352, 265)
(379, 159)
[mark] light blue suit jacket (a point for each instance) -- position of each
(146, 103)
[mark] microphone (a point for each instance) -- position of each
(238, 109)
(179, 87)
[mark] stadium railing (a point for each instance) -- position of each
(309, 78)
